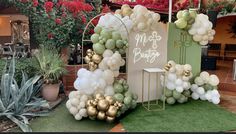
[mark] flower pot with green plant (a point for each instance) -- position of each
(51, 67)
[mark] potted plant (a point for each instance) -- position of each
(51, 67)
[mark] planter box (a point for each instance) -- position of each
(70, 77)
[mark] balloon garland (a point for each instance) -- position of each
(177, 83)
(197, 25)
(205, 88)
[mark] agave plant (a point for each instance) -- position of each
(18, 102)
(51, 65)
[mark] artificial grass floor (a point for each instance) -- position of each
(194, 116)
(60, 120)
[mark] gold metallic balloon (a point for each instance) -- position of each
(101, 115)
(98, 96)
(89, 51)
(88, 103)
(110, 100)
(103, 105)
(92, 111)
(87, 59)
(96, 58)
(112, 111)
(110, 119)
(90, 55)
(187, 73)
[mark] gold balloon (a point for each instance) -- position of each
(95, 103)
(87, 59)
(88, 103)
(110, 100)
(89, 51)
(101, 115)
(90, 55)
(110, 119)
(98, 96)
(92, 111)
(103, 105)
(187, 73)
(112, 111)
(96, 58)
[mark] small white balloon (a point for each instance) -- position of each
(195, 96)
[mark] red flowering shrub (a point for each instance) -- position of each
(59, 22)
(48, 6)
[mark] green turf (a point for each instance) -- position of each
(194, 116)
(60, 120)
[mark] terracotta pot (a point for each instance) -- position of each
(64, 54)
(50, 91)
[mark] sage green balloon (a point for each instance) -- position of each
(186, 15)
(135, 97)
(98, 29)
(118, 114)
(181, 99)
(168, 93)
(121, 51)
(176, 94)
(181, 23)
(208, 87)
(105, 34)
(119, 44)
(127, 100)
(170, 100)
(116, 36)
(128, 94)
(187, 93)
(110, 44)
(163, 98)
(95, 38)
(126, 87)
(133, 104)
(123, 109)
(119, 97)
(118, 88)
(98, 48)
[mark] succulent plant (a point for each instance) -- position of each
(17, 102)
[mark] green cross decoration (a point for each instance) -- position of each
(182, 49)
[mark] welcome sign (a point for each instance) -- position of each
(146, 50)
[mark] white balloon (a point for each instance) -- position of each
(200, 91)
(172, 77)
(203, 97)
(215, 100)
(178, 82)
(199, 81)
(179, 89)
(197, 37)
(109, 91)
(195, 96)
(170, 85)
(203, 42)
(214, 80)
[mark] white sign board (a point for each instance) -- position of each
(146, 50)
